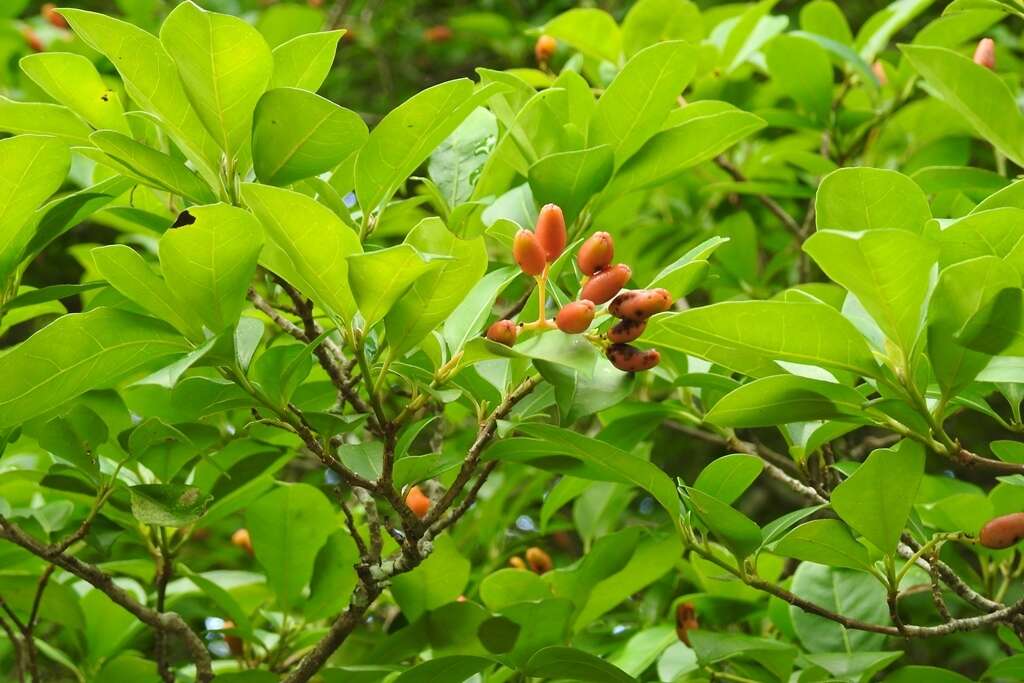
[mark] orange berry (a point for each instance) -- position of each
(417, 502)
(50, 13)
(606, 284)
(544, 49)
(631, 359)
(1003, 532)
(503, 332)
(33, 40)
(640, 304)
(242, 540)
(879, 72)
(985, 53)
(438, 34)
(528, 253)
(551, 232)
(575, 317)
(686, 620)
(626, 331)
(539, 561)
(595, 253)
(516, 562)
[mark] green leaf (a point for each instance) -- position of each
(672, 151)
(65, 212)
(208, 265)
(297, 134)
(409, 133)
(851, 593)
(78, 353)
(570, 179)
(436, 293)
(825, 541)
(591, 31)
(304, 61)
(855, 665)
(308, 244)
(653, 21)
(151, 80)
(151, 167)
(976, 93)
(438, 580)
(636, 103)
(73, 81)
(932, 674)
(334, 577)
(986, 233)
(726, 478)
(128, 273)
(802, 70)
(734, 529)
(784, 399)
(746, 35)
(450, 669)
(173, 505)
(468, 318)
(31, 169)
(224, 65)
(876, 32)
(1008, 668)
(749, 336)
(379, 278)
(574, 665)
(889, 271)
(288, 526)
(682, 275)
(39, 118)
(457, 163)
(713, 647)
(876, 500)
(508, 586)
(857, 199)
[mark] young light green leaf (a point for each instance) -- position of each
(379, 278)
(208, 264)
(857, 199)
(224, 64)
(876, 500)
(570, 179)
(802, 70)
(151, 167)
(469, 316)
(41, 118)
(784, 399)
(591, 31)
(304, 61)
(652, 21)
(994, 232)
(72, 80)
(876, 32)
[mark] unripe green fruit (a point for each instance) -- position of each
(503, 332)
(575, 317)
(528, 253)
(1003, 532)
(606, 284)
(596, 253)
(550, 231)
(640, 304)
(626, 331)
(631, 359)
(985, 53)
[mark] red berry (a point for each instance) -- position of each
(417, 502)
(575, 317)
(640, 304)
(686, 620)
(539, 561)
(606, 284)
(985, 53)
(33, 40)
(596, 253)
(544, 49)
(503, 332)
(1003, 532)
(631, 359)
(551, 232)
(626, 331)
(528, 253)
(438, 34)
(50, 13)
(242, 539)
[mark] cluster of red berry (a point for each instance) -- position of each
(602, 283)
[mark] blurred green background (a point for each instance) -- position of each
(393, 48)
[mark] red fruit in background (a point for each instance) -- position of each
(503, 332)
(33, 41)
(242, 539)
(417, 502)
(640, 304)
(686, 620)
(606, 284)
(544, 49)
(626, 331)
(528, 253)
(550, 231)
(539, 561)
(233, 642)
(985, 53)
(595, 253)
(879, 72)
(575, 317)
(631, 359)
(1003, 532)
(50, 13)
(438, 34)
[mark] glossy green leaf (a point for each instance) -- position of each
(824, 541)
(591, 31)
(440, 579)
(40, 118)
(857, 199)
(170, 505)
(876, 32)
(803, 71)
(297, 134)
(652, 21)
(774, 655)
(334, 576)
(151, 167)
(574, 665)
(570, 179)
(379, 278)
(304, 61)
(783, 399)
(734, 529)
(73, 81)
(845, 591)
(986, 233)
(726, 478)
(451, 669)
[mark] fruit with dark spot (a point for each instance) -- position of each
(417, 502)
(503, 332)
(539, 561)
(631, 359)
(575, 317)
(544, 49)
(626, 331)
(1003, 532)
(528, 253)
(606, 284)
(985, 53)
(640, 304)
(595, 253)
(242, 540)
(550, 231)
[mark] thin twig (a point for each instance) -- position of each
(788, 221)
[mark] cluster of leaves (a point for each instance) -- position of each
(276, 444)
